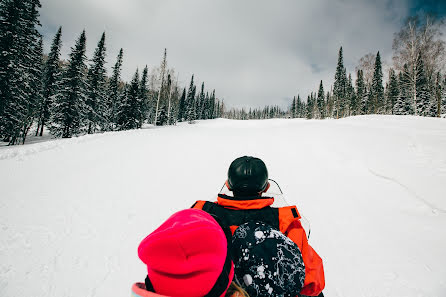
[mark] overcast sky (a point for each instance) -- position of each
(253, 52)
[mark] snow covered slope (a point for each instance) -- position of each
(374, 188)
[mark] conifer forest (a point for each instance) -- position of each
(77, 96)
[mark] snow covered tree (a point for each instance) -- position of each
(293, 108)
(339, 86)
(162, 116)
(69, 111)
(113, 93)
(377, 90)
(438, 90)
(19, 50)
(182, 107)
(129, 112)
(423, 100)
(403, 104)
(321, 101)
(361, 93)
(96, 89)
(143, 97)
(349, 96)
(50, 79)
(393, 91)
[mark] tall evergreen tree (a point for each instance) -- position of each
(129, 111)
(96, 89)
(438, 89)
(339, 86)
(68, 111)
(403, 104)
(393, 91)
(377, 87)
(361, 93)
(50, 79)
(19, 43)
(423, 102)
(143, 97)
(349, 96)
(182, 106)
(113, 93)
(293, 108)
(321, 101)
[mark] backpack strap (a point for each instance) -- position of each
(287, 215)
(199, 204)
(236, 217)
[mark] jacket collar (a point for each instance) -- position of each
(247, 203)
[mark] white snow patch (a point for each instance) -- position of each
(373, 187)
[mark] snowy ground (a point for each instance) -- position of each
(374, 188)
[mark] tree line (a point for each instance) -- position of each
(416, 83)
(77, 96)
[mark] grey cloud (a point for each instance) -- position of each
(252, 52)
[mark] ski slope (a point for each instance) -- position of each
(73, 211)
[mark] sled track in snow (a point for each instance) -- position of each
(410, 191)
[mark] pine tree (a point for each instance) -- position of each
(182, 107)
(190, 102)
(349, 96)
(403, 104)
(19, 42)
(50, 80)
(212, 103)
(191, 111)
(96, 89)
(162, 117)
(438, 94)
(129, 112)
(361, 93)
(68, 111)
(377, 87)
(34, 86)
(339, 86)
(113, 93)
(423, 104)
(293, 108)
(143, 97)
(393, 91)
(321, 101)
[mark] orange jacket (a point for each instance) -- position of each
(234, 212)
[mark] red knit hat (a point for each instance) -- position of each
(187, 256)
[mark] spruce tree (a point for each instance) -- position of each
(19, 44)
(182, 107)
(403, 104)
(423, 102)
(212, 103)
(349, 96)
(96, 89)
(377, 87)
(129, 111)
(321, 101)
(69, 111)
(293, 108)
(339, 86)
(113, 93)
(143, 97)
(50, 80)
(393, 91)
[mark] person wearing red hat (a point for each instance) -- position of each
(187, 256)
(248, 180)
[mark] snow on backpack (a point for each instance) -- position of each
(267, 263)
